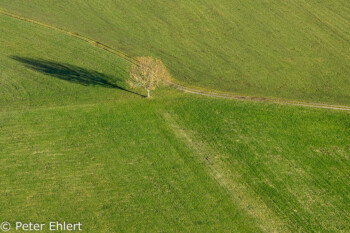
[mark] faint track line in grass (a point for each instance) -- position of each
(228, 179)
(73, 34)
(172, 84)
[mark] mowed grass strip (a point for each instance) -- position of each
(293, 161)
(295, 50)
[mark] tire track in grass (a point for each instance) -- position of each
(172, 84)
(228, 179)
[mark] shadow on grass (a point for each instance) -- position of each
(71, 73)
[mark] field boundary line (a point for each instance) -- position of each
(172, 84)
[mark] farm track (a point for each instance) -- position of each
(171, 83)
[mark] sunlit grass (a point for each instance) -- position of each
(77, 145)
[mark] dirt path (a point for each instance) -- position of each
(252, 98)
(173, 84)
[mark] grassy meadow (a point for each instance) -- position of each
(296, 50)
(77, 144)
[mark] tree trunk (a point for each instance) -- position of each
(148, 95)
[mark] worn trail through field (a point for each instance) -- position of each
(171, 83)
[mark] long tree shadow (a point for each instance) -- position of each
(71, 73)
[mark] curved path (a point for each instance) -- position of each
(171, 83)
(252, 98)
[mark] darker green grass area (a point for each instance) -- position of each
(113, 167)
(296, 50)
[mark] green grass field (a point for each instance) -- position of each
(76, 144)
(293, 49)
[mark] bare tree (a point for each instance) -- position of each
(147, 73)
